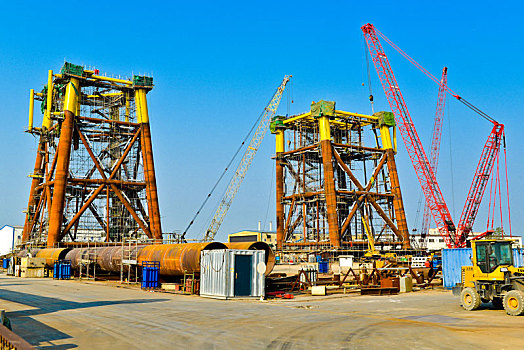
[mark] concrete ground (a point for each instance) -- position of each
(53, 314)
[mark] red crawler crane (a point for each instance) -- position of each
(424, 170)
(490, 154)
(426, 176)
(435, 142)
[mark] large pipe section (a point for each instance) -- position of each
(329, 181)
(398, 204)
(27, 252)
(56, 214)
(279, 149)
(149, 166)
(110, 258)
(270, 256)
(177, 259)
(52, 254)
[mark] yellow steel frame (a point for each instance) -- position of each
(339, 119)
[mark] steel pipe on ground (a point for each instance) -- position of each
(52, 254)
(270, 256)
(177, 259)
(77, 255)
(24, 253)
(110, 258)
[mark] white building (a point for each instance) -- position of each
(10, 236)
(434, 241)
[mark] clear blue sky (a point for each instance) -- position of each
(216, 64)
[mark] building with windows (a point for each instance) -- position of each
(434, 241)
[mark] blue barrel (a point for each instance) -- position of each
(436, 263)
(323, 266)
(65, 270)
(62, 270)
(150, 271)
(56, 270)
(319, 259)
(5, 263)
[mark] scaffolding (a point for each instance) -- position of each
(94, 177)
(336, 182)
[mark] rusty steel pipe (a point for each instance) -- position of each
(109, 259)
(151, 188)
(176, 259)
(52, 254)
(331, 195)
(35, 182)
(56, 214)
(270, 256)
(24, 253)
(76, 255)
(398, 204)
(279, 205)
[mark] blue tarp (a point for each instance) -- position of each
(454, 259)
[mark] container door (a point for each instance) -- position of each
(243, 267)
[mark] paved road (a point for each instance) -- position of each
(70, 314)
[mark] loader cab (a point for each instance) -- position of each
(490, 254)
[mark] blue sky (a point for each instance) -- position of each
(215, 66)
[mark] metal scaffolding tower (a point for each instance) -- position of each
(336, 181)
(94, 173)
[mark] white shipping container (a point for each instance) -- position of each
(232, 273)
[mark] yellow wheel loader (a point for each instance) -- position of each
(493, 277)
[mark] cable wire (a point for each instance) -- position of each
(223, 174)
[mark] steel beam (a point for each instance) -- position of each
(56, 215)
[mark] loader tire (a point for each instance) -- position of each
(514, 303)
(470, 299)
(497, 303)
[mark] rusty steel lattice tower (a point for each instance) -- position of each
(94, 172)
(337, 186)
